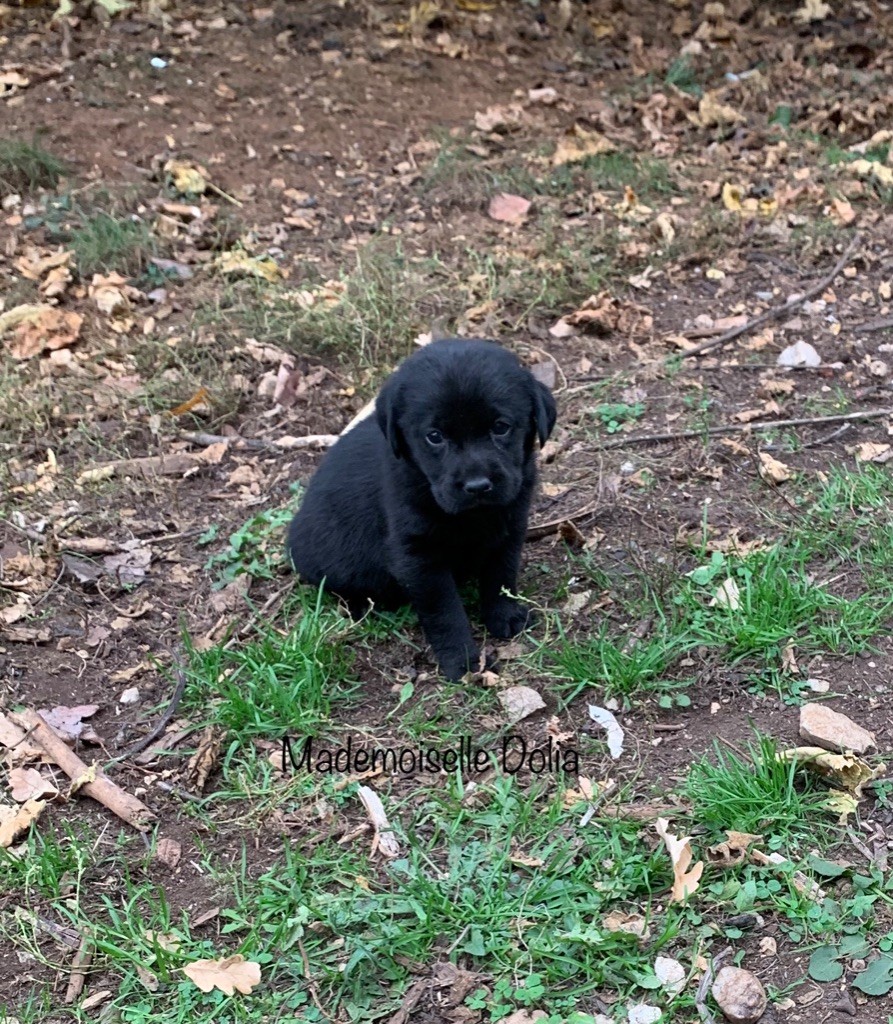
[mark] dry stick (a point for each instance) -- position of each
(875, 325)
(544, 529)
(819, 441)
(160, 725)
(102, 789)
(745, 428)
(79, 966)
(775, 312)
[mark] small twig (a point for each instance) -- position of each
(79, 966)
(311, 984)
(202, 439)
(746, 428)
(553, 525)
(162, 722)
(819, 441)
(875, 325)
(706, 982)
(183, 794)
(224, 195)
(775, 312)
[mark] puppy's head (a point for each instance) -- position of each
(466, 414)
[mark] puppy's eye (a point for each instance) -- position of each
(501, 428)
(434, 438)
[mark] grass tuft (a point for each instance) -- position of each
(105, 242)
(27, 165)
(754, 791)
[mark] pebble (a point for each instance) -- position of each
(827, 728)
(740, 995)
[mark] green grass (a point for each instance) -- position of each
(107, 242)
(282, 681)
(387, 301)
(755, 791)
(683, 75)
(25, 166)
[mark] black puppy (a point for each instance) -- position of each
(431, 491)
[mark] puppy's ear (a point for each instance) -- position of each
(388, 410)
(544, 411)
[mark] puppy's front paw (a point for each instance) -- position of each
(507, 618)
(455, 663)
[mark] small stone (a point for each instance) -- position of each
(827, 728)
(799, 354)
(131, 696)
(740, 995)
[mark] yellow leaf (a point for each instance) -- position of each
(713, 113)
(579, 144)
(189, 179)
(233, 974)
(731, 197)
(773, 471)
(239, 263)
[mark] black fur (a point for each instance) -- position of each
(429, 492)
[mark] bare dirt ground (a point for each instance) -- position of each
(688, 167)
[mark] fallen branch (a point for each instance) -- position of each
(101, 788)
(775, 313)
(79, 966)
(746, 428)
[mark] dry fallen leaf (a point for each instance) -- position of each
(508, 208)
(233, 974)
(773, 471)
(69, 722)
(712, 112)
(28, 784)
(847, 771)
(872, 451)
(48, 328)
(15, 820)
(238, 263)
(685, 881)
(609, 723)
(727, 595)
(733, 849)
(188, 179)
(579, 144)
(628, 924)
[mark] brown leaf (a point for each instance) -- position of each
(15, 820)
(579, 144)
(508, 208)
(51, 329)
(28, 784)
(68, 723)
(232, 974)
(773, 471)
(168, 852)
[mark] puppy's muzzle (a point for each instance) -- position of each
(477, 486)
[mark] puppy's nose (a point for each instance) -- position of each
(477, 485)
